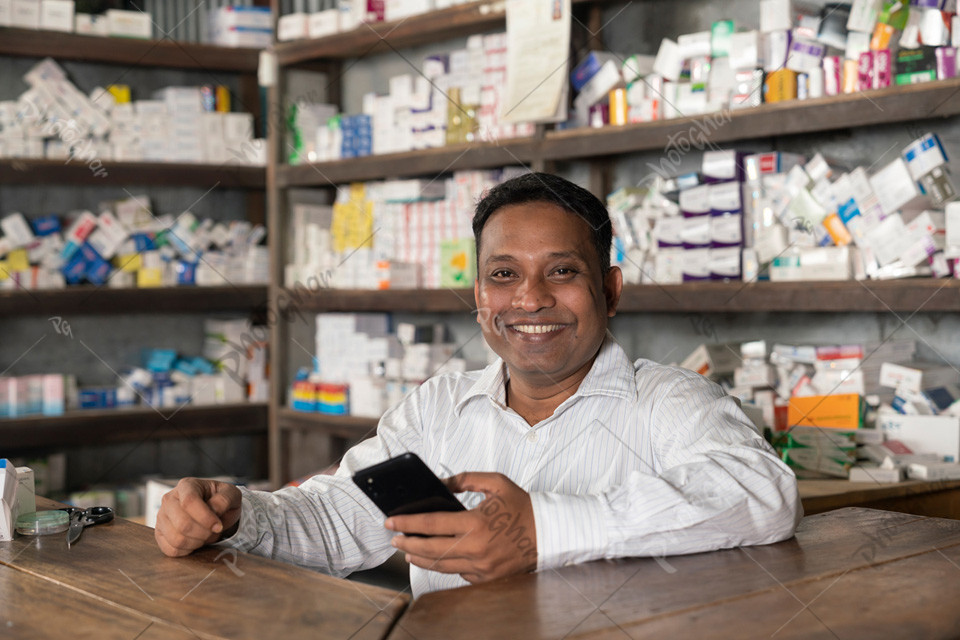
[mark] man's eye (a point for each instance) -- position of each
(564, 271)
(501, 273)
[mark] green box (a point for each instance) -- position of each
(458, 263)
(720, 38)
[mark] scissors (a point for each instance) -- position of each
(80, 518)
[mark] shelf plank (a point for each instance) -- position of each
(381, 37)
(894, 104)
(30, 171)
(127, 51)
(920, 294)
(89, 427)
(346, 427)
(410, 300)
(432, 162)
(906, 296)
(91, 300)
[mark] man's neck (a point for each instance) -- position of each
(536, 401)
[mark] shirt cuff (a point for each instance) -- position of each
(569, 529)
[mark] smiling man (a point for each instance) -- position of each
(568, 452)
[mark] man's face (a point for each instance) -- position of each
(543, 301)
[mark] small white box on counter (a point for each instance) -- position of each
(924, 434)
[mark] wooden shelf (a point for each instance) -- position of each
(924, 294)
(380, 37)
(95, 427)
(127, 51)
(91, 300)
(411, 300)
(29, 171)
(895, 104)
(346, 427)
(486, 155)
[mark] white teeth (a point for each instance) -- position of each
(536, 328)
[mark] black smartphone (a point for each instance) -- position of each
(405, 485)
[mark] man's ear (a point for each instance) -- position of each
(476, 297)
(612, 288)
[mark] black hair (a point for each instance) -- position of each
(545, 187)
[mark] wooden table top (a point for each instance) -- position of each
(851, 573)
(824, 495)
(210, 594)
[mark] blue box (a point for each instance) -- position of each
(75, 270)
(143, 241)
(98, 271)
(588, 68)
(45, 225)
(186, 272)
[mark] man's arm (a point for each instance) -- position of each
(326, 523)
(713, 483)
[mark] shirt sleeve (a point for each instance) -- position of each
(327, 523)
(712, 483)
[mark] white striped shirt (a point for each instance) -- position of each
(643, 460)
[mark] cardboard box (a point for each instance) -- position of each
(924, 434)
(838, 411)
(917, 376)
(713, 360)
(129, 24)
(56, 15)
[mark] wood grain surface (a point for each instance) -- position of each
(847, 573)
(211, 593)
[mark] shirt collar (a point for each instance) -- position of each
(612, 374)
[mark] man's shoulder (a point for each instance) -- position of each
(653, 375)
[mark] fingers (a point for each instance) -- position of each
(435, 546)
(193, 503)
(173, 542)
(448, 565)
(187, 520)
(440, 523)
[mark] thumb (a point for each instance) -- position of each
(478, 481)
(220, 503)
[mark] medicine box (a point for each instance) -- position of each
(924, 434)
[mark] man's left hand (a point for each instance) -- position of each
(496, 538)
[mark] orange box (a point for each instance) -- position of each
(780, 85)
(837, 230)
(618, 107)
(851, 76)
(882, 35)
(836, 412)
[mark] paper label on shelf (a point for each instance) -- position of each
(538, 35)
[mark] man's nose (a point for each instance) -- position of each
(534, 294)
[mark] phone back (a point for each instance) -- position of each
(405, 485)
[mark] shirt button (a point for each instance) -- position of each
(531, 436)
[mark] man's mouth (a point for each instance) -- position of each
(536, 328)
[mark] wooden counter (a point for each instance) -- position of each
(211, 594)
(940, 499)
(852, 573)
(849, 573)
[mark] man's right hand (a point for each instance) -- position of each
(196, 513)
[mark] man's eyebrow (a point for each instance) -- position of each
(554, 255)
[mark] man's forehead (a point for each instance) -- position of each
(570, 239)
